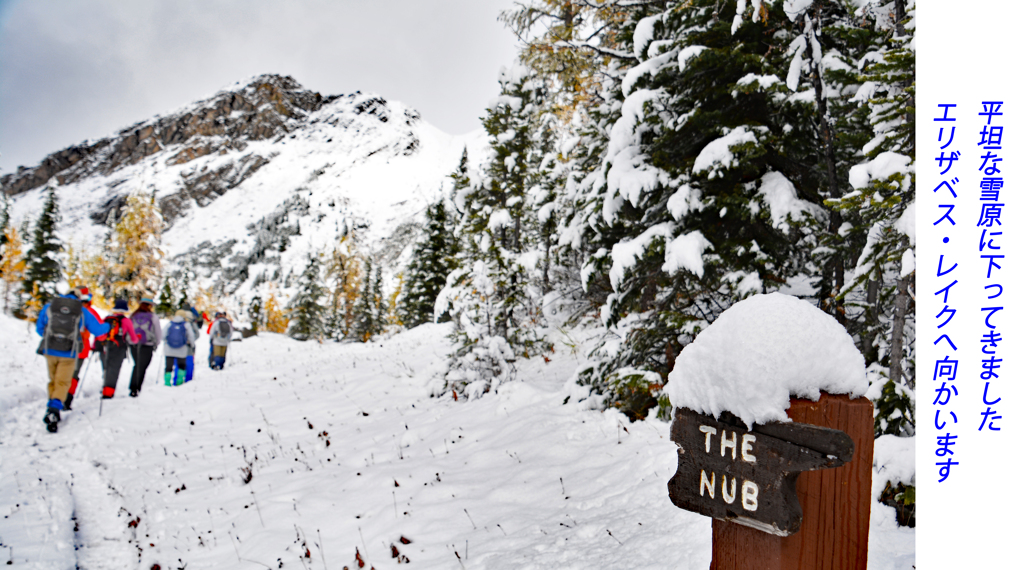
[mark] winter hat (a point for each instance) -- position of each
(183, 314)
(83, 293)
(147, 300)
(121, 305)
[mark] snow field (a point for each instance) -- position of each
(346, 451)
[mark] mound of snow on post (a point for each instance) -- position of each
(759, 353)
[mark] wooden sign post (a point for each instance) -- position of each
(768, 514)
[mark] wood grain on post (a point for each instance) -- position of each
(836, 503)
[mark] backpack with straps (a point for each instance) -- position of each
(116, 334)
(223, 329)
(177, 336)
(63, 325)
(145, 327)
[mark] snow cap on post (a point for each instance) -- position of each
(759, 353)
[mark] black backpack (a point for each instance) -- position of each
(63, 326)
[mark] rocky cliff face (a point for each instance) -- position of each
(255, 178)
(267, 107)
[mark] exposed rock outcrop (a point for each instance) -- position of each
(269, 106)
(255, 179)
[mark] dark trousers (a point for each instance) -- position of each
(113, 356)
(170, 361)
(142, 354)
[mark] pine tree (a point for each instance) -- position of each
(490, 297)
(366, 309)
(184, 294)
(5, 220)
(255, 313)
(12, 262)
(43, 267)
(433, 258)
(713, 175)
(380, 306)
(884, 273)
(165, 304)
(135, 248)
(305, 311)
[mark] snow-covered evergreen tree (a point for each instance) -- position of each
(884, 199)
(43, 265)
(185, 293)
(496, 310)
(255, 313)
(5, 219)
(433, 258)
(366, 309)
(380, 315)
(165, 304)
(306, 311)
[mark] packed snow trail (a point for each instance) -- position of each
(298, 454)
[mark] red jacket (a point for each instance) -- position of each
(85, 331)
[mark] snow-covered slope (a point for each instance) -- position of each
(254, 178)
(346, 451)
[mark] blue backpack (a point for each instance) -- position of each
(177, 337)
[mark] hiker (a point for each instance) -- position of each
(179, 337)
(85, 297)
(60, 324)
(147, 325)
(220, 331)
(115, 345)
(195, 321)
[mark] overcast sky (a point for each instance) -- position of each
(72, 70)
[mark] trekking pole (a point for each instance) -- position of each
(88, 361)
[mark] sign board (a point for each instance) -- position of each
(749, 476)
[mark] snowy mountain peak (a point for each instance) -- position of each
(266, 106)
(254, 178)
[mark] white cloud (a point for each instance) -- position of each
(72, 70)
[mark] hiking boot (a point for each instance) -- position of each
(133, 393)
(67, 402)
(167, 378)
(51, 419)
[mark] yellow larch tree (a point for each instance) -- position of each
(275, 319)
(393, 318)
(135, 243)
(95, 271)
(12, 263)
(207, 300)
(344, 276)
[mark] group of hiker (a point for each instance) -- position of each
(68, 323)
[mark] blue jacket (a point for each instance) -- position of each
(96, 327)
